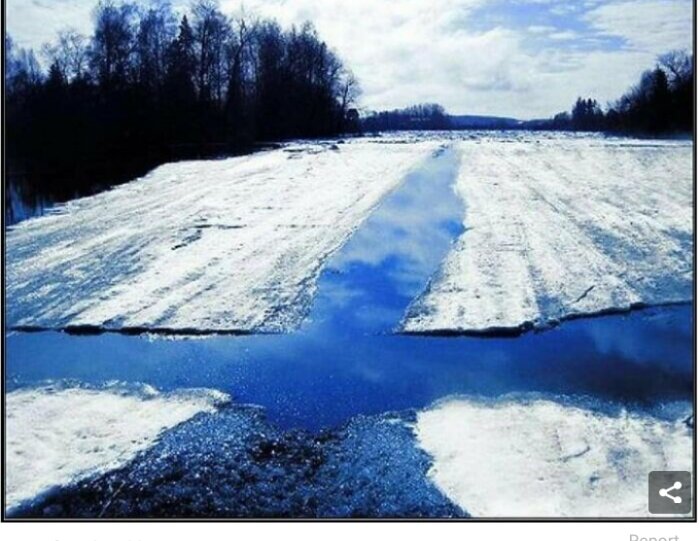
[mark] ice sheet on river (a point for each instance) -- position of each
(542, 459)
(560, 227)
(233, 245)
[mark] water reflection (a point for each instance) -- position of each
(345, 361)
(367, 285)
(309, 381)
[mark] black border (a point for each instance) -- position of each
(652, 520)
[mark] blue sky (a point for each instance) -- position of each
(522, 58)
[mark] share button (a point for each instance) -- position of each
(669, 492)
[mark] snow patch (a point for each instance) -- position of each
(538, 458)
(59, 434)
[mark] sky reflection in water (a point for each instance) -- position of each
(345, 361)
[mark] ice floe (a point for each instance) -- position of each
(563, 227)
(539, 458)
(232, 245)
(59, 434)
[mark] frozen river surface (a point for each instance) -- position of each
(554, 227)
(309, 415)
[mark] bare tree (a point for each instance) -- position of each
(349, 91)
(22, 70)
(678, 65)
(212, 32)
(157, 30)
(69, 53)
(112, 43)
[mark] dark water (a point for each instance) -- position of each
(345, 360)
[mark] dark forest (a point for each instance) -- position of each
(148, 87)
(151, 86)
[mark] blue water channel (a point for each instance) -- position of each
(347, 360)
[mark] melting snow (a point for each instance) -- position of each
(543, 459)
(59, 434)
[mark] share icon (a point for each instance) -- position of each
(670, 492)
(664, 492)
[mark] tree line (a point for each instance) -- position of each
(149, 85)
(426, 116)
(660, 103)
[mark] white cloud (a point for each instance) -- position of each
(420, 52)
(564, 35)
(33, 22)
(541, 29)
(652, 26)
(428, 50)
(453, 51)
(563, 9)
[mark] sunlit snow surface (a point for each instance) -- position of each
(232, 245)
(557, 227)
(59, 434)
(538, 458)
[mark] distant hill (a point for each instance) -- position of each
(484, 122)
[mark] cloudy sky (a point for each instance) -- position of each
(521, 58)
